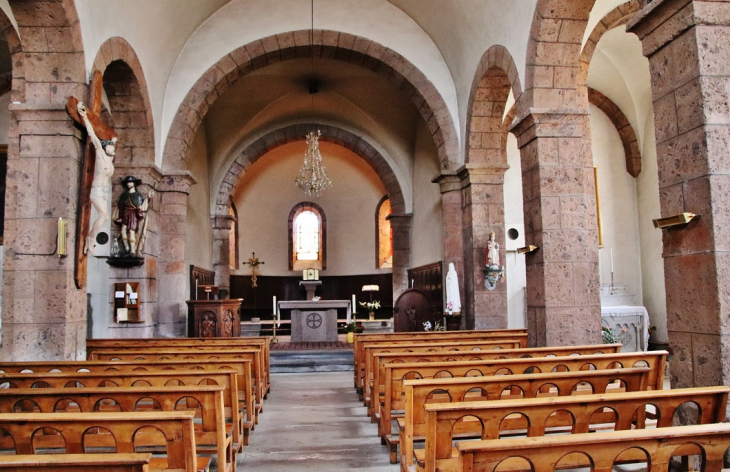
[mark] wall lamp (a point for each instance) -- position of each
(527, 249)
(676, 220)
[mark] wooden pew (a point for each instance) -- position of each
(583, 414)
(432, 336)
(212, 435)
(242, 366)
(381, 360)
(395, 373)
(122, 431)
(602, 449)
(192, 353)
(419, 393)
(371, 349)
(186, 352)
(76, 463)
(263, 342)
(225, 378)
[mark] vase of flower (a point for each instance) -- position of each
(371, 306)
(350, 338)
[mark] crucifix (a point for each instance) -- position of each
(254, 263)
(98, 168)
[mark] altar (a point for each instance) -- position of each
(314, 321)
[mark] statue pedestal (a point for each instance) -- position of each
(310, 286)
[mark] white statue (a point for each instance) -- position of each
(101, 183)
(492, 251)
(453, 299)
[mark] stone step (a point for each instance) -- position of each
(329, 360)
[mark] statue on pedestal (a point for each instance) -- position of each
(131, 213)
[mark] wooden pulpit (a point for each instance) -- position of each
(214, 318)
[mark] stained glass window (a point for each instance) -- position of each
(385, 235)
(306, 227)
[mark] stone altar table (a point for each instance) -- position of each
(315, 321)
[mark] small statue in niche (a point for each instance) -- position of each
(103, 171)
(131, 213)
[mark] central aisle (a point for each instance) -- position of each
(314, 421)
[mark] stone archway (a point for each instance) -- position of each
(296, 45)
(43, 310)
(481, 184)
(553, 133)
(129, 113)
(400, 221)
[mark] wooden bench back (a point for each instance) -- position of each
(76, 462)
(208, 403)
(241, 366)
(420, 393)
(261, 342)
(574, 414)
(225, 378)
(379, 361)
(603, 449)
(192, 353)
(370, 349)
(432, 336)
(395, 374)
(23, 432)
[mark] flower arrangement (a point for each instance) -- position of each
(427, 326)
(354, 327)
(607, 335)
(449, 307)
(370, 305)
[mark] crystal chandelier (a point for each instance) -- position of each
(312, 176)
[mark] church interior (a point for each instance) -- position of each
(373, 179)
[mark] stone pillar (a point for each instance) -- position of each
(452, 219)
(145, 274)
(688, 49)
(563, 304)
(173, 272)
(222, 225)
(44, 314)
(482, 205)
(401, 227)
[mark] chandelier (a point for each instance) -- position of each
(312, 176)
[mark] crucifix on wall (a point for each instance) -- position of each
(97, 170)
(254, 263)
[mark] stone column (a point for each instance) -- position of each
(222, 225)
(401, 227)
(688, 49)
(173, 272)
(563, 304)
(44, 314)
(452, 219)
(482, 204)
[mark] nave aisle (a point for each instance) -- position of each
(314, 422)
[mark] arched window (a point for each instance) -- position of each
(233, 239)
(307, 237)
(384, 235)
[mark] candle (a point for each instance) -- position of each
(612, 260)
(353, 303)
(274, 304)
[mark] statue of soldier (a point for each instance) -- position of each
(131, 209)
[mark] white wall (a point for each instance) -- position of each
(514, 264)
(199, 238)
(427, 232)
(268, 195)
(619, 211)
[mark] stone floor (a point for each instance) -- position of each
(315, 422)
